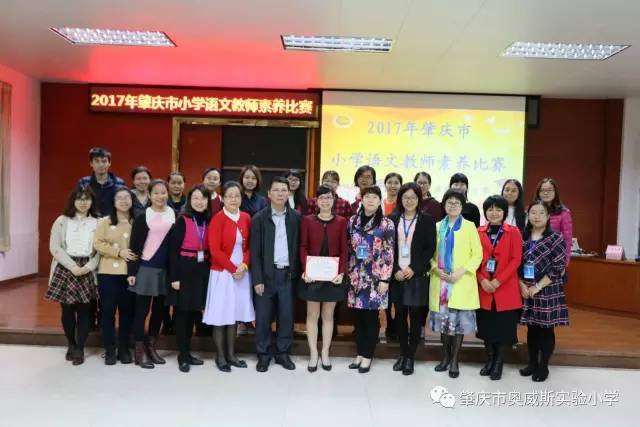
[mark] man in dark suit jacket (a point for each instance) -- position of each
(274, 265)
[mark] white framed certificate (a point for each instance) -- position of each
(322, 268)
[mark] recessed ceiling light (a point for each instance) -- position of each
(589, 51)
(337, 44)
(91, 36)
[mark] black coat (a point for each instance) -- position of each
(261, 242)
(423, 244)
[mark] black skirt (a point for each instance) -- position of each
(194, 281)
(322, 291)
(412, 293)
(498, 327)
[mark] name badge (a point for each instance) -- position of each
(529, 271)
(404, 252)
(491, 265)
(200, 256)
(362, 252)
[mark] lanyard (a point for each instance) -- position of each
(407, 229)
(494, 241)
(198, 233)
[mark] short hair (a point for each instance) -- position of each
(325, 189)
(459, 177)
(361, 171)
(139, 169)
(155, 182)
(556, 204)
(229, 185)
(114, 212)
(99, 152)
(498, 202)
(452, 194)
(188, 210)
(408, 186)
(207, 170)
(422, 173)
(393, 175)
(331, 174)
(81, 192)
(279, 180)
(256, 172)
(176, 173)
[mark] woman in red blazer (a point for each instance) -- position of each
(229, 293)
(323, 234)
(500, 300)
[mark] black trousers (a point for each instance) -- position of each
(114, 295)
(143, 302)
(183, 325)
(277, 298)
(367, 331)
(540, 342)
(76, 322)
(409, 333)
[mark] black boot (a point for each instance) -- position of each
(408, 366)
(533, 351)
(152, 352)
(456, 344)
(496, 371)
(110, 356)
(488, 367)
(399, 365)
(446, 353)
(124, 355)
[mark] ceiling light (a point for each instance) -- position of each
(337, 44)
(90, 36)
(589, 51)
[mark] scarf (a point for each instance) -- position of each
(445, 255)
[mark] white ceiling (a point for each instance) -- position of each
(439, 45)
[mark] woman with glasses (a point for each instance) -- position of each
(560, 220)
(323, 234)
(453, 295)
(409, 288)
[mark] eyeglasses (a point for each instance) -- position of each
(232, 197)
(454, 204)
(409, 198)
(547, 191)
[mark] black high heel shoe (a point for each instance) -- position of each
(224, 367)
(313, 368)
(363, 369)
(354, 365)
(325, 367)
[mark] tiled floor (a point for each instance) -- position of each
(39, 388)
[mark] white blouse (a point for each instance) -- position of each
(80, 236)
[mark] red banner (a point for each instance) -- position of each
(204, 102)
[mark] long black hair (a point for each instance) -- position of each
(188, 209)
(547, 230)
(519, 213)
(408, 186)
(298, 195)
(377, 217)
(113, 216)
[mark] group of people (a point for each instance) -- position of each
(224, 255)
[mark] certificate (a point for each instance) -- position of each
(322, 268)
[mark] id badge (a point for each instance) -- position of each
(404, 251)
(529, 271)
(200, 256)
(362, 252)
(491, 265)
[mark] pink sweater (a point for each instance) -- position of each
(561, 222)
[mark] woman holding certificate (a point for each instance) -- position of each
(415, 244)
(453, 294)
(542, 287)
(323, 254)
(371, 241)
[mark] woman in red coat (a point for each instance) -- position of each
(323, 234)
(229, 294)
(500, 300)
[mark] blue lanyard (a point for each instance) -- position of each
(198, 233)
(407, 229)
(494, 241)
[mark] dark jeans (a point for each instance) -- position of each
(409, 334)
(114, 294)
(142, 309)
(367, 330)
(278, 298)
(183, 325)
(76, 322)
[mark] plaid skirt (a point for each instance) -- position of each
(548, 308)
(66, 288)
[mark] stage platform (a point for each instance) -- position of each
(595, 338)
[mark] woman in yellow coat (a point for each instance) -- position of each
(453, 294)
